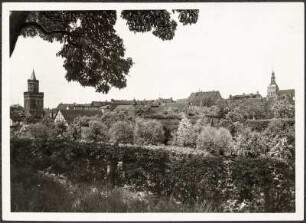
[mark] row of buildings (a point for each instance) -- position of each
(34, 101)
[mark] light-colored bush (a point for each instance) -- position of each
(249, 144)
(96, 132)
(148, 132)
(215, 141)
(283, 109)
(185, 135)
(121, 132)
(39, 131)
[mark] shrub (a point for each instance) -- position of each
(60, 129)
(216, 141)
(96, 132)
(280, 140)
(75, 128)
(148, 132)
(264, 184)
(185, 135)
(39, 131)
(250, 144)
(110, 118)
(281, 128)
(121, 132)
(283, 109)
(235, 116)
(282, 150)
(257, 125)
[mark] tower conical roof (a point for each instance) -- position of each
(273, 78)
(33, 76)
(273, 83)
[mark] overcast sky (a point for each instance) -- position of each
(232, 48)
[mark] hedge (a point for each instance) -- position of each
(266, 184)
(262, 124)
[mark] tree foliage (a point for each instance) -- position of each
(121, 132)
(148, 132)
(17, 113)
(39, 131)
(215, 141)
(283, 109)
(280, 140)
(186, 135)
(94, 54)
(250, 144)
(96, 131)
(75, 128)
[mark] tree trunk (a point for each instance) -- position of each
(17, 20)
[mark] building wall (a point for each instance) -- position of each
(59, 117)
(33, 99)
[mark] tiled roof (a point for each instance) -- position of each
(244, 96)
(290, 92)
(123, 102)
(64, 106)
(70, 115)
(99, 103)
(205, 95)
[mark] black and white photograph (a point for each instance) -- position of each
(150, 111)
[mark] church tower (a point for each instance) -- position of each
(33, 99)
(273, 90)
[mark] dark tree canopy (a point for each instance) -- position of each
(17, 113)
(94, 55)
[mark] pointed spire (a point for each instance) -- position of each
(273, 77)
(33, 75)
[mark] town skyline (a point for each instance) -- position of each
(148, 99)
(234, 53)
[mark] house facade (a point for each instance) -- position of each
(67, 116)
(205, 98)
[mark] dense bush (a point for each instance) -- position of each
(39, 131)
(258, 125)
(96, 131)
(250, 144)
(121, 132)
(280, 140)
(185, 135)
(262, 124)
(148, 132)
(265, 184)
(59, 129)
(109, 118)
(75, 128)
(215, 141)
(283, 109)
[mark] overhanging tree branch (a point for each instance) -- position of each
(47, 32)
(52, 32)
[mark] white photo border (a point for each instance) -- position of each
(298, 215)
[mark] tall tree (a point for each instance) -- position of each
(94, 55)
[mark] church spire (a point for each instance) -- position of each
(273, 78)
(33, 75)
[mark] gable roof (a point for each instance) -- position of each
(165, 100)
(123, 102)
(245, 96)
(205, 95)
(62, 106)
(289, 92)
(99, 103)
(70, 115)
